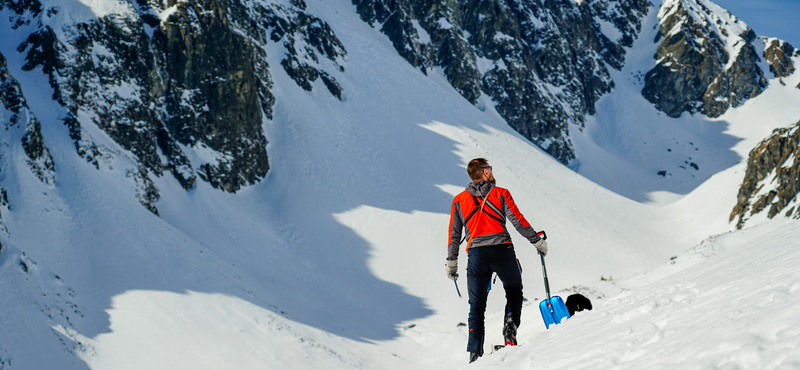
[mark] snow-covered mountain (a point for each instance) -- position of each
(543, 63)
(224, 184)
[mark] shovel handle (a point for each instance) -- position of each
(546, 282)
(543, 235)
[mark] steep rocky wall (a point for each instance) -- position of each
(544, 63)
(708, 60)
(772, 178)
(184, 87)
(20, 127)
(778, 54)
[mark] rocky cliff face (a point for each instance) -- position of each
(544, 63)
(772, 178)
(778, 54)
(708, 60)
(183, 87)
(20, 127)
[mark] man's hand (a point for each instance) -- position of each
(451, 268)
(541, 246)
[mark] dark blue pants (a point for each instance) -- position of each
(482, 262)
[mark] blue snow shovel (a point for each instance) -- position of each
(553, 308)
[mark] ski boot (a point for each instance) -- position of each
(510, 331)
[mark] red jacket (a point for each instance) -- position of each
(487, 227)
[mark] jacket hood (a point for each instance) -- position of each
(479, 188)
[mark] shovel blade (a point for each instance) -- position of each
(553, 311)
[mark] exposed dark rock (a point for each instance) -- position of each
(543, 62)
(40, 160)
(304, 37)
(3, 205)
(301, 73)
(332, 85)
(197, 81)
(22, 119)
(212, 94)
(694, 71)
(146, 191)
(778, 54)
(21, 124)
(771, 180)
(746, 78)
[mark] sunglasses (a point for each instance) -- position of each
(489, 167)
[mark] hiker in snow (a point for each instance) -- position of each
(482, 209)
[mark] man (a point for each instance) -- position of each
(482, 209)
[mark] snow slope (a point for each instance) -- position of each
(335, 260)
(628, 142)
(737, 310)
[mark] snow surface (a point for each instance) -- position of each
(737, 310)
(70, 12)
(424, 37)
(335, 260)
(610, 30)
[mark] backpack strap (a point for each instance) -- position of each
(472, 235)
(492, 206)
(474, 211)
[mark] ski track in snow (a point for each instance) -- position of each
(335, 259)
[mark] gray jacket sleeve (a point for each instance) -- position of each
(518, 220)
(456, 225)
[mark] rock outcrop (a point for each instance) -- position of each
(707, 60)
(778, 54)
(182, 87)
(20, 126)
(544, 63)
(772, 178)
